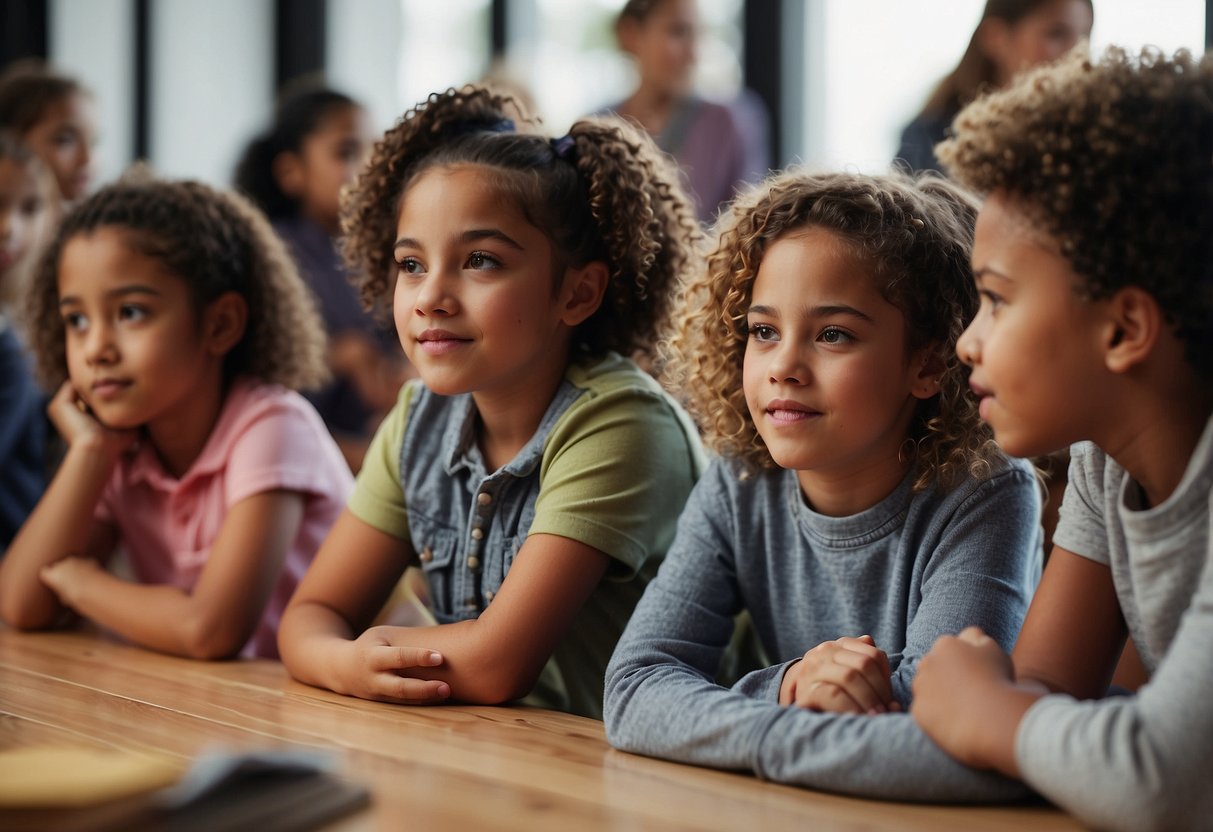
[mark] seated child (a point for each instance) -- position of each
(294, 172)
(535, 473)
(1094, 258)
(52, 114)
(858, 509)
(179, 323)
(24, 215)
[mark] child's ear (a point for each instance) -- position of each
(287, 169)
(224, 322)
(928, 365)
(1135, 323)
(583, 290)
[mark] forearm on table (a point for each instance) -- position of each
(664, 711)
(313, 637)
(58, 526)
(160, 617)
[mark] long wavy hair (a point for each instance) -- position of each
(976, 72)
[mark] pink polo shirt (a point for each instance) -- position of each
(267, 438)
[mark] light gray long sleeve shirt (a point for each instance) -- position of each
(1142, 762)
(907, 570)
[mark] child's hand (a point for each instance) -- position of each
(67, 576)
(848, 676)
(75, 424)
(956, 690)
(370, 665)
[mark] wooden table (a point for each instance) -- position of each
(453, 767)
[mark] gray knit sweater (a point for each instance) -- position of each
(905, 571)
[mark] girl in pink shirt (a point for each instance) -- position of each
(173, 324)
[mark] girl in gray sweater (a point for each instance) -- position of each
(857, 510)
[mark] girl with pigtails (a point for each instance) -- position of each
(533, 472)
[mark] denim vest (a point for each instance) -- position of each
(467, 525)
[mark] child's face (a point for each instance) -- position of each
(63, 138)
(328, 158)
(134, 351)
(827, 377)
(1035, 345)
(22, 212)
(475, 303)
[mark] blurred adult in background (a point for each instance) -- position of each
(295, 172)
(1013, 35)
(719, 146)
(53, 115)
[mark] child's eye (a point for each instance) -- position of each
(349, 150)
(834, 335)
(763, 332)
(132, 312)
(482, 260)
(995, 301)
(74, 321)
(410, 265)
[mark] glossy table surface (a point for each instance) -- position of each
(452, 767)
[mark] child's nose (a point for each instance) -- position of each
(788, 366)
(968, 345)
(99, 346)
(434, 296)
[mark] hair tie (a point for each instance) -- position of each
(563, 147)
(503, 125)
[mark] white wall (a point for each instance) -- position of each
(212, 79)
(363, 44)
(212, 83)
(93, 40)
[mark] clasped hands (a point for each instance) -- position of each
(847, 676)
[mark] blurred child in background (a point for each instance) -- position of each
(295, 173)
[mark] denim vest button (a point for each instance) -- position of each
(484, 498)
(473, 562)
(427, 555)
(477, 533)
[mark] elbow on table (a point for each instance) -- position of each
(616, 719)
(495, 686)
(1164, 794)
(204, 638)
(1158, 817)
(21, 613)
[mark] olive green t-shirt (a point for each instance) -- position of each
(611, 464)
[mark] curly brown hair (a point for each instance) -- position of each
(217, 242)
(603, 193)
(1112, 159)
(913, 235)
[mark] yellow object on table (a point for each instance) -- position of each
(69, 777)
